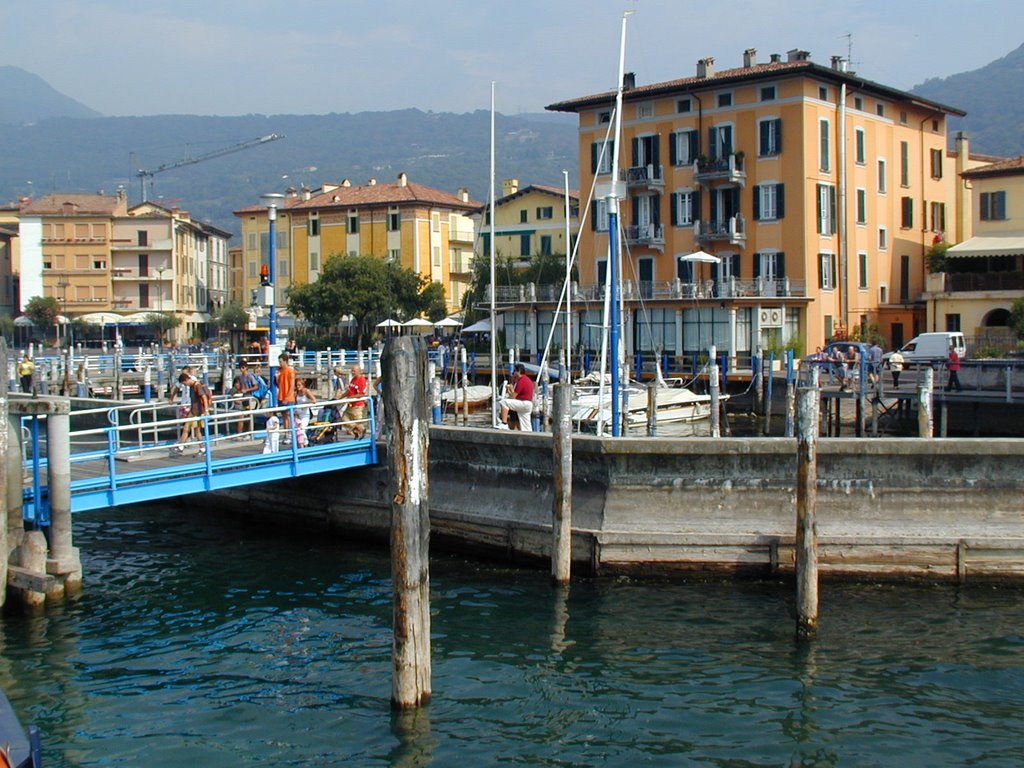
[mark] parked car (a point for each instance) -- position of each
(930, 349)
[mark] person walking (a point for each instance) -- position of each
(26, 368)
(355, 412)
(303, 412)
(954, 370)
(286, 393)
(896, 366)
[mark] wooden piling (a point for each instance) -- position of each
(561, 525)
(924, 404)
(716, 430)
(405, 384)
(806, 503)
(652, 409)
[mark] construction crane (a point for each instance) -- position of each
(144, 174)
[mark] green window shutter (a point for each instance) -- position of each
(673, 138)
(674, 200)
(780, 198)
(757, 207)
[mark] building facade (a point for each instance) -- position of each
(803, 196)
(983, 274)
(529, 222)
(426, 230)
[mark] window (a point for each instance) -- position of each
(524, 245)
(862, 271)
(904, 164)
(314, 262)
(903, 118)
(938, 211)
(769, 137)
(252, 241)
(953, 323)
(599, 219)
(906, 212)
(858, 146)
(394, 221)
(313, 227)
(993, 206)
(684, 147)
(858, 103)
(883, 239)
(282, 267)
(99, 263)
(862, 206)
(601, 161)
(545, 245)
(823, 93)
(545, 212)
(353, 223)
(685, 208)
(883, 183)
(768, 202)
(880, 109)
(604, 117)
(725, 99)
(436, 253)
(524, 216)
(826, 209)
(645, 110)
(252, 268)
(768, 93)
(683, 106)
(770, 265)
(823, 145)
(883, 297)
(827, 271)
(142, 237)
(395, 255)
(646, 152)
(936, 158)
(720, 141)
(435, 222)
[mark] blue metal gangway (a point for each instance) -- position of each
(135, 452)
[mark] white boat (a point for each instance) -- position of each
(474, 396)
(675, 403)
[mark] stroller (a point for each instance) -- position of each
(326, 429)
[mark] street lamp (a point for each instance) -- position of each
(64, 284)
(273, 201)
(160, 299)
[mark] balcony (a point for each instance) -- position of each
(651, 235)
(135, 273)
(732, 231)
(645, 177)
(728, 169)
(729, 288)
(967, 282)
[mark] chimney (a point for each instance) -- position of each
(775, 58)
(797, 55)
(403, 179)
(307, 193)
(292, 192)
(628, 81)
(838, 63)
(706, 67)
(509, 187)
(749, 58)
(464, 194)
(346, 183)
(371, 182)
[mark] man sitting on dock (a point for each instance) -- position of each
(518, 398)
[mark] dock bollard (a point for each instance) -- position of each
(435, 393)
(806, 505)
(405, 408)
(147, 384)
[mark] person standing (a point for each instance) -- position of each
(303, 413)
(245, 385)
(874, 362)
(355, 411)
(202, 398)
(26, 368)
(182, 393)
(518, 398)
(896, 366)
(286, 392)
(954, 371)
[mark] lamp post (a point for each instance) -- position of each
(273, 201)
(160, 300)
(64, 284)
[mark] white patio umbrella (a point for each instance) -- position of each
(448, 322)
(389, 323)
(418, 325)
(100, 318)
(701, 257)
(22, 321)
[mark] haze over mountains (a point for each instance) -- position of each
(53, 143)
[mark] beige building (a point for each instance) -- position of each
(529, 222)
(426, 230)
(816, 192)
(984, 272)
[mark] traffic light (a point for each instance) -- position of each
(264, 274)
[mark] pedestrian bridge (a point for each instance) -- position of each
(133, 452)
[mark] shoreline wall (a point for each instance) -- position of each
(887, 507)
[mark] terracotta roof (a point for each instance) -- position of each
(1013, 166)
(85, 205)
(739, 74)
(379, 194)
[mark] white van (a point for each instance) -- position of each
(931, 348)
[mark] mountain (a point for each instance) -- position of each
(993, 98)
(442, 150)
(28, 98)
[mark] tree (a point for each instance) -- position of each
(43, 311)
(1017, 317)
(163, 322)
(232, 317)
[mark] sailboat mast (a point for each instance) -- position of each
(613, 242)
(494, 287)
(568, 284)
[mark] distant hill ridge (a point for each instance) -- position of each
(28, 98)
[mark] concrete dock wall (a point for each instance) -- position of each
(940, 509)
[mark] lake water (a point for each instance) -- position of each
(200, 642)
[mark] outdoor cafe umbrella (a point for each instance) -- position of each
(419, 325)
(389, 323)
(448, 322)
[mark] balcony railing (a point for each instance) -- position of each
(728, 168)
(135, 273)
(645, 234)
(732, 230)
(649, 176)
(664, 290)
(984, 281)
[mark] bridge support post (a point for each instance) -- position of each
(13, 493)
(405, 390)
(64, 562)
(806, 510)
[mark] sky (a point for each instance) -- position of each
(235, 57)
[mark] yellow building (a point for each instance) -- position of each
(530, 222)
(426, 230)
(984, 273)
(817, 192)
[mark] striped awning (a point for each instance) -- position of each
(1010, 244)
